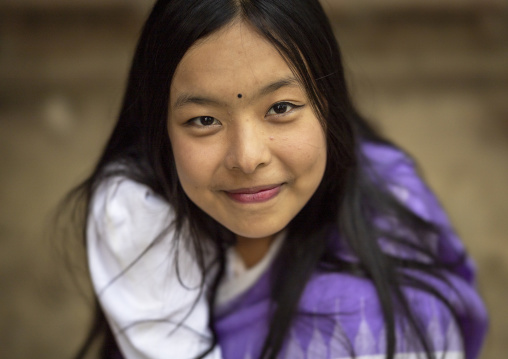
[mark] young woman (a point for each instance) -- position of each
(243, 209)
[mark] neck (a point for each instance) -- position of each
(252, 250)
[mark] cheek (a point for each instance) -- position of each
(305, 152)
(194, 164)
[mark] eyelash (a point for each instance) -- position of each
(193, 121)
(215, 122)
(292, 105)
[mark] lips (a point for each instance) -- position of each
(254, 194)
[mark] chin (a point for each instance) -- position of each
(257, 234)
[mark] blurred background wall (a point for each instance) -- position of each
(431, 74)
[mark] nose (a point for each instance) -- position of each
(248, 147)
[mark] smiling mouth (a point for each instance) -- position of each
(254, 194)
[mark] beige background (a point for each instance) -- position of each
(433, 75)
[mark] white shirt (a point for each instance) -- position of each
(153, 310)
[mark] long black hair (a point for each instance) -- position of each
(346, 199)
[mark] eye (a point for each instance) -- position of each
(203, 121)
(281, 108)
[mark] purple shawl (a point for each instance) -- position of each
(353, 322)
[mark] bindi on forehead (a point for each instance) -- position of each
(239, 95)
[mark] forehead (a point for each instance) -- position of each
(236, 58)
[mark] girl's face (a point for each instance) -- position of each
(248, 148)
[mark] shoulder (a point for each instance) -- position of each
(398, 173)
(388, 164)
(119, 197)
(148, 283)
(400, 176)
(385, 157)
(125, 218)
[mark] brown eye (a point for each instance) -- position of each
(281, 108)
(204, 121)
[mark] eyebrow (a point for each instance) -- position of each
(186, 98)
(289, 81)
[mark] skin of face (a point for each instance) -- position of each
(248, 147)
